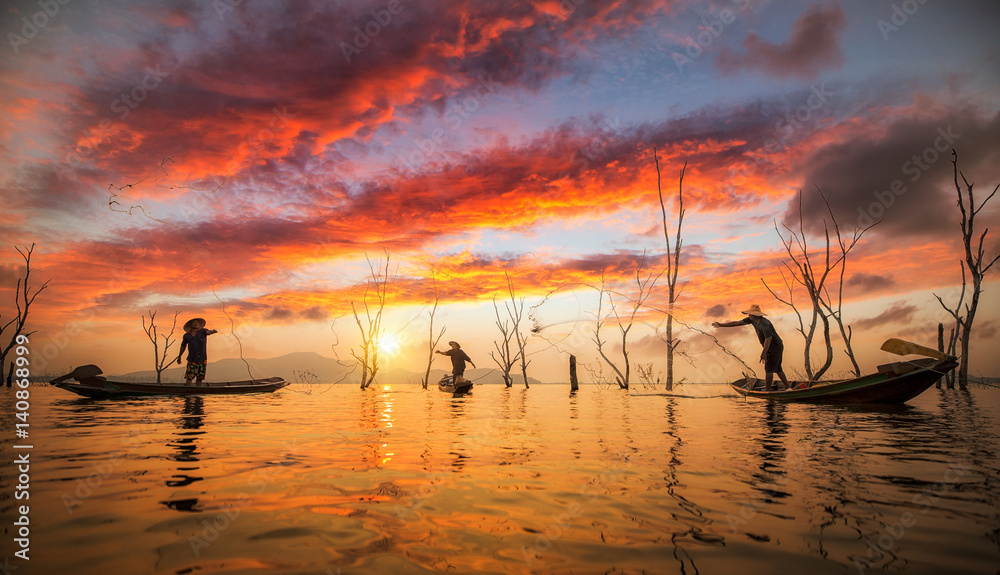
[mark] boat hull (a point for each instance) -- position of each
(113, 389)
(448, 385)
(879, 388)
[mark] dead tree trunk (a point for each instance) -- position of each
(23, 298)
(673, 265)
(644, 288)
(976, 262)
(160, 362)
(805, 272)
(369, 320)
(505, 357)
(515, 310)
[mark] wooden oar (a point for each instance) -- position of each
(79, 373)
(900, 347)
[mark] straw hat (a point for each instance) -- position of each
(196, 323)
(454, 343)
(754, 310)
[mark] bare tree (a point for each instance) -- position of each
(813, 276)
(624, 321)
(673, 264)
(369, 319)
(976, 262)
(504, 357)
(24, 296)
(515, 311)
(432, 340)
(160, 362)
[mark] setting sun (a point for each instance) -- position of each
(389, 344)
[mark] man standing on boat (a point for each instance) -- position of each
(196, 341)
(458, 359)
(773, 350)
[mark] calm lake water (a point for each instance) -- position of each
(332, 479)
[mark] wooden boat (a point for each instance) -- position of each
(448, 385)
(896, 382)
(89, 383)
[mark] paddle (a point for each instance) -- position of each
(900, 347)
(79, 373)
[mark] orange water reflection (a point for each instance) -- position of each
(320, 478)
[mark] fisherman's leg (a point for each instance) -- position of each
(767, 381)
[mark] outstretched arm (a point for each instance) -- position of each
(737, 323)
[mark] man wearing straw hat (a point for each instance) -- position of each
(770, 356)
(458, 359)
(196, 341)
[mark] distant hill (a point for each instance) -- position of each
(308, 367)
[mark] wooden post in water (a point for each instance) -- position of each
(573, 386)
(941, 349)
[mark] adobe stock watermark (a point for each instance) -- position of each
(122, 106)
(794, 120)
(214, 526)
(898, 17)
(914, 168)
(84, 488)
(560, 523)
(710, 30)
(37, 22)
(364, 35)
(880, 544)
(455, 114)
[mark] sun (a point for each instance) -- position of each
(389, 344)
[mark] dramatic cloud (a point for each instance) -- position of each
(902, 174)
(867, 282)
(899, 313)
(813, 47)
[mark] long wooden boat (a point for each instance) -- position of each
(89, 383)
(896, 382)
(448, 385)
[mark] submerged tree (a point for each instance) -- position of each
(369, 319)
(623, 320)
(975, 261)
(504, 356)
(432, 339)
(511, 328)
(824, 304)
(160, 361)
(673, 265)
(24, 296)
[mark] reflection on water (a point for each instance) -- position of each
(186, 442)
(316, 479)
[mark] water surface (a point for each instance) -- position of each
(331, 479)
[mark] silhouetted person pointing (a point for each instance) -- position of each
(770, 356)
